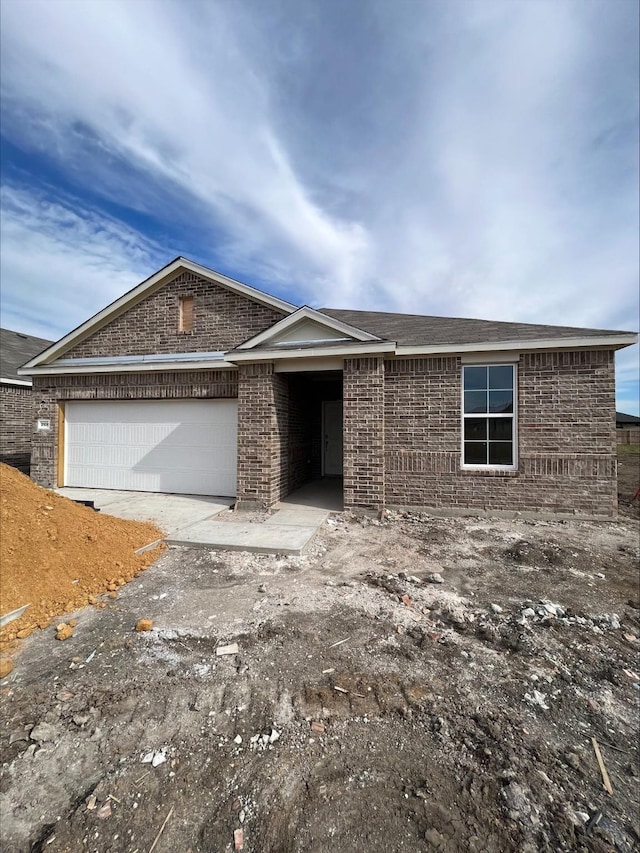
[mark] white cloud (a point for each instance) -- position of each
(469, 159)
(61, 264)
(188, 110)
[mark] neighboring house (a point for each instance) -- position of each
(627, 421)
(195, 383)
(16, 402)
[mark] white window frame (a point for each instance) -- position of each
(513, 415)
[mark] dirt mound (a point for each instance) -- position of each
(57, 555)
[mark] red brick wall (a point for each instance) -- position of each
(48, 391)
(16, 424)
(364, 432)
(566, 429)
(222, 319)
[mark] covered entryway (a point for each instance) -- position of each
(175, 446)
(314, 430)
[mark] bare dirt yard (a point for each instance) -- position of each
(411, 684)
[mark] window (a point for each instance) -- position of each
(185, 314)
(488, 416)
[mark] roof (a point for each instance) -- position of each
(621, 418)
(364, 331)
(16, 348)
(419, 330)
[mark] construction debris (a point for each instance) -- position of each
(603, 770)
(155, 757)
(238, 839)
(231, 649)
(104, 811)
(157, 838)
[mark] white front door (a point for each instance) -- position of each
(175, 446)
(332, 438)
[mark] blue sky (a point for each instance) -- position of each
(467, 158)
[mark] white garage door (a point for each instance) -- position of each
(181, 446)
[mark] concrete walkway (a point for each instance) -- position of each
(191, 520)
(287, 531)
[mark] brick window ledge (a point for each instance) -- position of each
(489, 472)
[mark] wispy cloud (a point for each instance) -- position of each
(466, 158)
(62, 263)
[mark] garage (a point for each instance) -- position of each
(174, 446)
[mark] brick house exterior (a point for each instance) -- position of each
(413, 429)
(16, 399)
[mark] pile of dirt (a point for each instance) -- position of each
(57, 555)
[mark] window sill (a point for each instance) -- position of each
(488, 471)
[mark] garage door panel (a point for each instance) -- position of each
(180, 446)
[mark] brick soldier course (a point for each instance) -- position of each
(402, 421)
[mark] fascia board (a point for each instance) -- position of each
(114, 309)
(6, 381)
(307, 313)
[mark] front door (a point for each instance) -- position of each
(332, 438)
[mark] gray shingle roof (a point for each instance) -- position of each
(418, 330)
(621, 418)
(16, 349)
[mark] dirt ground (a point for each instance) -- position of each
(414, 684)
(56, 555)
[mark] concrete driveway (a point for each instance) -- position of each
(172, 513)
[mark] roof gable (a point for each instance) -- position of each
(146, 289)
(304, 327)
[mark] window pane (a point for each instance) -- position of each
(475, 378)
(500, 401)
(475, 453)
(500, 453)
(475, 401)
(475, 429)
(500, 429)
(501, 377)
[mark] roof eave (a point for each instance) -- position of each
(614, 342)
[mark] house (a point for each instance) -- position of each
(16, 402)
(195, 383)
(627, 421)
